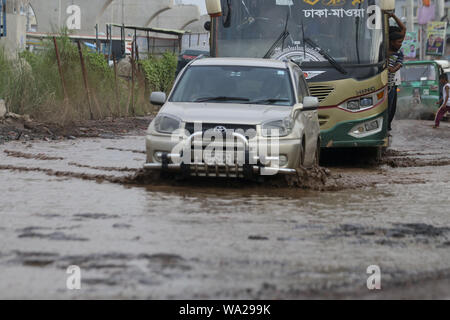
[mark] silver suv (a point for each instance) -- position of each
(235, 117)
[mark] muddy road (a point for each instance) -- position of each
(84, 202)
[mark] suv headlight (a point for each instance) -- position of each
(277, 128)
(165, 123)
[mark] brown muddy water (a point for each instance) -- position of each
(84, 202)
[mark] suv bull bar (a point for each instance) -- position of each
(223, 170)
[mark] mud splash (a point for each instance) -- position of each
(314, 179)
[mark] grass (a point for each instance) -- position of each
(31, 84)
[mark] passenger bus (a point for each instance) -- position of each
(341, 45)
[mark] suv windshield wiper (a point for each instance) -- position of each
(267, 101)
(221, 98)
(330, 59)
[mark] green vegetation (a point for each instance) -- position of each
(160, 72)
(31, 84)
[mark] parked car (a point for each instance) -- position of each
(235, 117)
(188, 55)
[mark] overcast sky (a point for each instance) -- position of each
(200, 3)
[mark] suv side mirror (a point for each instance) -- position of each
(158, 98)
(310, 103)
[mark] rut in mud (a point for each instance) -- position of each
(24, 155)
(313, 178)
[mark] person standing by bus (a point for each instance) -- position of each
(396, 36)
(395, 64)
(445, 107)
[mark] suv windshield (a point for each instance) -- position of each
(235, 84)
(418, 72)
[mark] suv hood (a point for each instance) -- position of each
(225, 112)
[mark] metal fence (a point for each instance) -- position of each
(157, 46)
(2, 18)
(195, 40)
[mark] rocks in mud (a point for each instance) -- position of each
(35, 259)
(15, 116)
(95, 216)
(58, 236)
(121, 226)
(2, 108)
(256, 237)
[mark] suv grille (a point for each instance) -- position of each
(249, 130)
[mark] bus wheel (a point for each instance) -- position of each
(377, 153)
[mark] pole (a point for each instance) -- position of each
(411, 15)
(107, 39)
(61, 74)
(116, 86)
(85, 80)
(133, 49)
(2, 18)
(148, 45)
(97, 42)
(422, 42)
(110, 43)
(440, 8)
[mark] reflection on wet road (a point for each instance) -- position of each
(166, 241)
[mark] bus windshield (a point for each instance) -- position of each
(343, 29)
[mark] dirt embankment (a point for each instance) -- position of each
(15, 127)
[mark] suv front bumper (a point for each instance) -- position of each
(168, 161)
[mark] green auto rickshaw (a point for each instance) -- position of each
(419, 92)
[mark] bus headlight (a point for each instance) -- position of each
(367, 128)
(353, 105)
(364, 102)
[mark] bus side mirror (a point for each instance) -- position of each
(214, 8)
